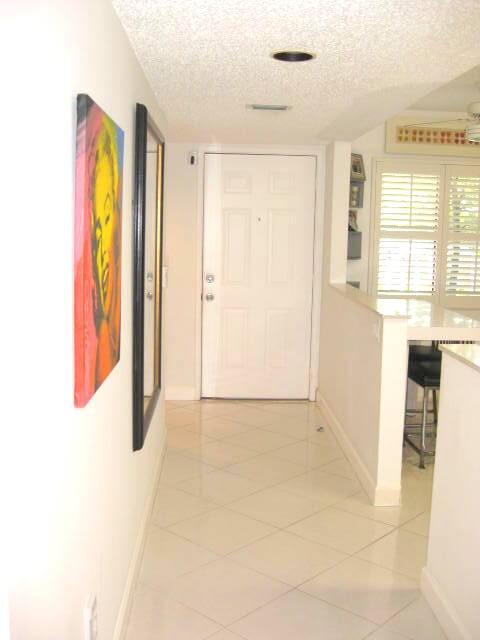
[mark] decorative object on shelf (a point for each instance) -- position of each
(98, 233)
(356, 194)
(357, 169)
(357, 179)
(352, 220)
(405, 134)
(147, 276)
(354, 251)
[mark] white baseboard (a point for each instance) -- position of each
(379, 496)
(443, 610)
(180, 393)
(135, 563)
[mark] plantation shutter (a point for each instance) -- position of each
(408, 228)
(462, 251)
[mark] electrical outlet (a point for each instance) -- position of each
(90, 618)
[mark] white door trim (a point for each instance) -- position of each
(319, 153)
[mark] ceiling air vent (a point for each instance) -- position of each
(268, 107)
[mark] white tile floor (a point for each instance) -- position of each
(261, 531)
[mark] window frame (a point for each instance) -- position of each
(443, 167)
(456, 301)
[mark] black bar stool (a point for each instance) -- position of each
(424, 366)
(426, 374)
(422, 353)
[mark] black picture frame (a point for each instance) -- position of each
(143, 407)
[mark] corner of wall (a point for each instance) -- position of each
(336, 211)
(443, 610)
(366, 480)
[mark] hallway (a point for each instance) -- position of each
(261, 531)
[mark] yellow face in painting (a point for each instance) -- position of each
(103, 222)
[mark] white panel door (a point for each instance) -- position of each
(257, 275)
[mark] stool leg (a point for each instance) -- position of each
(435, 410)
(424, 428)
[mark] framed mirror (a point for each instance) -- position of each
(147, 274)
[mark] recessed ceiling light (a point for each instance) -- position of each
(268, 107)
(293, 56)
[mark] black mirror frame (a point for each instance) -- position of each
(142, 416)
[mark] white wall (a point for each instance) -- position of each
(182, 220)
(335, 226)
(451, 579)
(361, 394)
(77, 494)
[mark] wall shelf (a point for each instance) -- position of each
(354, 245)
(356, 194)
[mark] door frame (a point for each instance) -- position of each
(318, 152)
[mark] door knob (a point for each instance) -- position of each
(209, 297)
(210, 278)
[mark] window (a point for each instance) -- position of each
(463, 235)
(409, 219)
(427, 231)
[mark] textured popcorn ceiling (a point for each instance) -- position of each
(206, 59)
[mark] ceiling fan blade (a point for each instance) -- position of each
(428, 124)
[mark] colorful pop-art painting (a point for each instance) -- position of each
(98, 228)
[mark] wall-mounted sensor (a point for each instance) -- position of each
(192, 158)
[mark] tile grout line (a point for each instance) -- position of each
(286, 530)
(332, 505)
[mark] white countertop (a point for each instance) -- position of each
(371, 302)
(469, 354)
(425, 320)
